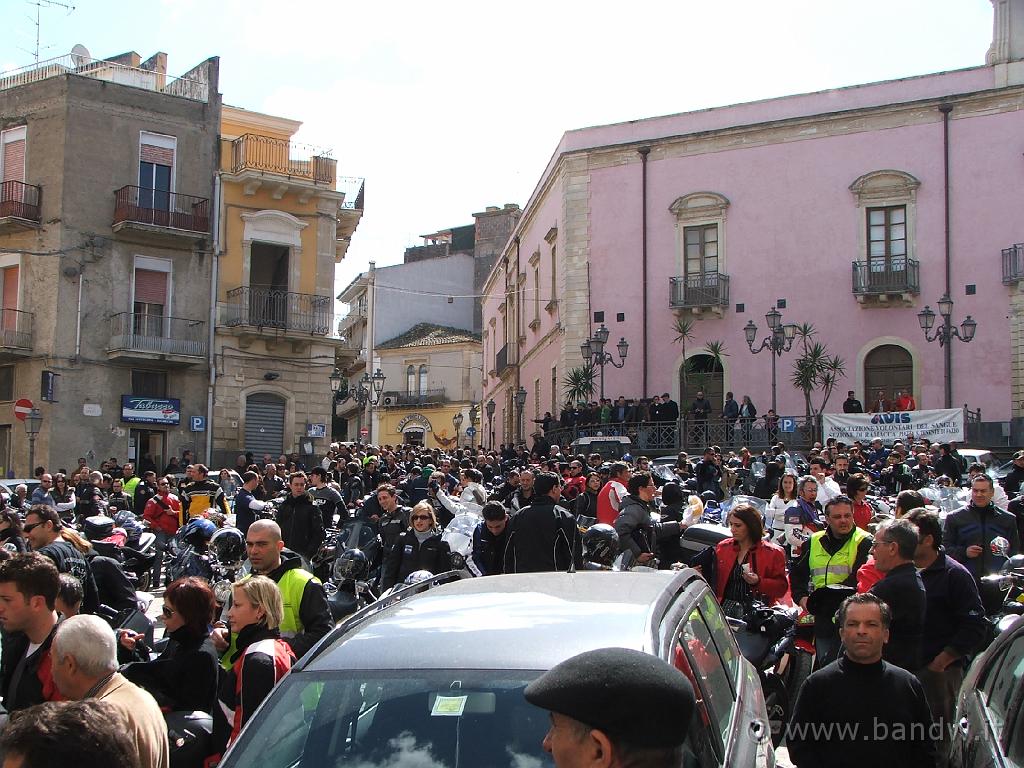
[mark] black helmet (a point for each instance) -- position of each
(98, 527)
(198, 531)
(190, 735)
(352, 564)
(1016, 563)
(228, 545)
(601, 544)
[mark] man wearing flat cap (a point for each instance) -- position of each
(614, 707)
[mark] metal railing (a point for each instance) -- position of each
(710, 289)
(501, 360)
(355, 314)
(877, 276)
(158, 208)
(426, 397)
(281, 310)
(97, 69)
(1013, 263)
(16, 329)
(158, 335)
(354, 189)
(20, 200)
(691, 435)
(252, 152)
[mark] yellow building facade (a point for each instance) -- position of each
(285, 220)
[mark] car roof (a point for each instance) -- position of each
(522, 621)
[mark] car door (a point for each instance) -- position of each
(991, 716)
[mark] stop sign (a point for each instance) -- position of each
(22, 408)
(362, 432)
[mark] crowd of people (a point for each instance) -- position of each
(812, 532)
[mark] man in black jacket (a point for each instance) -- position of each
(490, 538)
(302, 528)
(394, 518)
(1015, 477)
(44, 531)
(543, 536)
(969, 531)
(902, 590)
(954, 626)
(851, 404)
(708, 474)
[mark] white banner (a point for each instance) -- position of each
(941, 425)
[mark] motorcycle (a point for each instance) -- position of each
(355, 567)
(124, 540)
(458, 535)
(1003, 593)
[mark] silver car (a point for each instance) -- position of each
(434, 674)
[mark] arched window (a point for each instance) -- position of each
(888, 368)
(410, 380)
(423, 379)
(702, 373)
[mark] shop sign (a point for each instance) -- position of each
(150, 410)
(414, 421)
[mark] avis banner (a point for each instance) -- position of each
(940, 425)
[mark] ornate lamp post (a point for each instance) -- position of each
(474, 419)
(945, 334)
(779, 340)
(593, 352)
(490, 408)
(520, 405)
(33, 423)
(457, 423)
(376, 389)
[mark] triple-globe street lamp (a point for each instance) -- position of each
(779, 340)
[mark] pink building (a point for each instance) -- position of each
(828, 206)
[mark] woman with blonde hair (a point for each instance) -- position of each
(418, 548)
(260, 660)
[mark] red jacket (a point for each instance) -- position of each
(162, 519)
(862, 514)
(766, 559)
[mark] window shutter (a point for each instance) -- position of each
(157, 155)
(150, 287)
(14, 160)
(10, 297)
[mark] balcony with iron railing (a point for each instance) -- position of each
(160, 212)
(501, 363)
(880, 279)
(1013, 264)
(426, 397)
(277, 311)
(704, 291)
(267, 155)
(135, 336)
(16, 331)
(20, 206)
(355, 314)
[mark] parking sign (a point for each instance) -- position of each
(197, 423)
(787, 424)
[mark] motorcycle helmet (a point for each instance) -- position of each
(228, 545)
(352, 564)
(1016, 563)
(417, 576)
(98, 527)
(601, 544)
(198, 531)
(190, 735)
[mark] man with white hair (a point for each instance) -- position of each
(84, 654)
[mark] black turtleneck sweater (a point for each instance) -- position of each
(850, 715)
(903, 590)
(184, 677)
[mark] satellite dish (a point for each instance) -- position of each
(80, 55)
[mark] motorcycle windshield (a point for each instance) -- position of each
(463, 525)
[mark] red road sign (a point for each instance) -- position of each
(22, 408)
(362, 432)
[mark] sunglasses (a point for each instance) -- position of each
(29, 527)
(167, 612)
(420, 517)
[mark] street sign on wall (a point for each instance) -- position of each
(22, 408)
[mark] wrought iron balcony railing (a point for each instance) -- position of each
(878, 276)
(1013, 264)
(158, 335)
(252, 152)
(501, 360)
(16, 329)
(709, 289)
(279, 310)
(426, 397)
(20, 200)
(158, 208)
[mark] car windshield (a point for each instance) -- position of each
(382, 719)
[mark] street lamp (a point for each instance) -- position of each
(457, 423)
(520, 404)
(474, 419)
(490, 408)
(335, 379)
(779, 341)
(33, 423)
(376, 383)
(945, 334)
(593, 352)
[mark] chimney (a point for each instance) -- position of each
(1006, 54)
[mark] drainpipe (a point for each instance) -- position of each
(211, 357)
(371, 296)
(947, 348)
(516, 417)
(643, 152)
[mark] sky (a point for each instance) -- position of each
(448, 107)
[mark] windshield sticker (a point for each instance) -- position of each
(448, 706)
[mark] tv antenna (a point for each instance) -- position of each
(40, 4)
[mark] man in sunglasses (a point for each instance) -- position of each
(45, 531)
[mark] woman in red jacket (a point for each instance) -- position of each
(747, 567)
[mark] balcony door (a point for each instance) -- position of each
(149, 304)
(9, 291)
(156, 173)
(700, 264)
(268, 285)
(887, 246)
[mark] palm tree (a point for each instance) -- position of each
(815, 370)
(683, 327)
(579, 384)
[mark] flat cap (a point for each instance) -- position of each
(627, 694)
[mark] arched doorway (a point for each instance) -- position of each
(702, 373)
(890, 368)
(264, 424)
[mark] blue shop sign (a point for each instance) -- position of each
(150, 410)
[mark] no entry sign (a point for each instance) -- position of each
(22, 408)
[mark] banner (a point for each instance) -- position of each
(150, 410)
(941, 425)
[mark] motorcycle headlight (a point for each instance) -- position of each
(458, 561)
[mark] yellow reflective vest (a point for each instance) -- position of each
(836, 568)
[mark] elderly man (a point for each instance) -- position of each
(85, 667)
(65, 733)
(614, 707)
